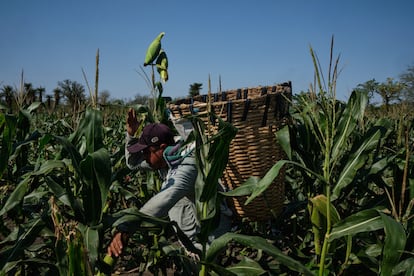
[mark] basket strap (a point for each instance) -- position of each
(278, 106)
(238, 96)
(267, 102)
(245, 110)
(224, 96)
(180, 111)
(264, 91)
(229, 111)
(245, 93)
(216, 96)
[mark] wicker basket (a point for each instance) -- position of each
(257, 113)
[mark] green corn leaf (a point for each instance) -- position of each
(245, 189)
(407, 266)
(91, 241)
(30, 262)
(71, 150)
(353, 112)
(247, 267)
(16, 197)
(266, 181)
(8, 125)
(363, 221)
(49, 166)
(257, 243)
(355, 161)
(394, 244)
(212, 156)
(91, 128)
(283, 137)
(219, 270)
(217, 156)
(60, 192)
(35, 197)
(271, 175)
(380, 165)
(411, 186)
(96, 174)
(75, 257)
(34, 106)
(135, 219)
(27, 234)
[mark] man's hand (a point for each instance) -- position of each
(132, 122)
(117, 244)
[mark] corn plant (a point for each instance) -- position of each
(338, 153)
(71, 184)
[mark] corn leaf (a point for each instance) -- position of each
(363, 221)
(212, 154)
(16, 197)
(247, 267)
(91, 241)
(69, 149)
(75, 254)
(96, 173)
(406, 266)
(26, 235)
(394, 244)
(356, 160)
(219, 270)
(7, 131)
(91, 128)
(60, 192)
(246, 189)
(353, 112)
(283, 136)
(49, 166)
(270, 176)
(266, 181)
(257, 243)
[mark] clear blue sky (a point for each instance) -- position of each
(247, 43)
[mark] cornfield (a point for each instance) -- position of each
(348, 199)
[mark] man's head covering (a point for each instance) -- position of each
(153, 135)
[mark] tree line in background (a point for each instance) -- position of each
(73, 94)
(69, 93)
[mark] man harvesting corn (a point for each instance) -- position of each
(158, 149)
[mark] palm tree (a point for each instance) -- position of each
(8, 93)
(75, 96)
(195, 89)
(40, 92)
(104, 97)
(57, 93)
(29, 93)
(74, 93)
(49, 102)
